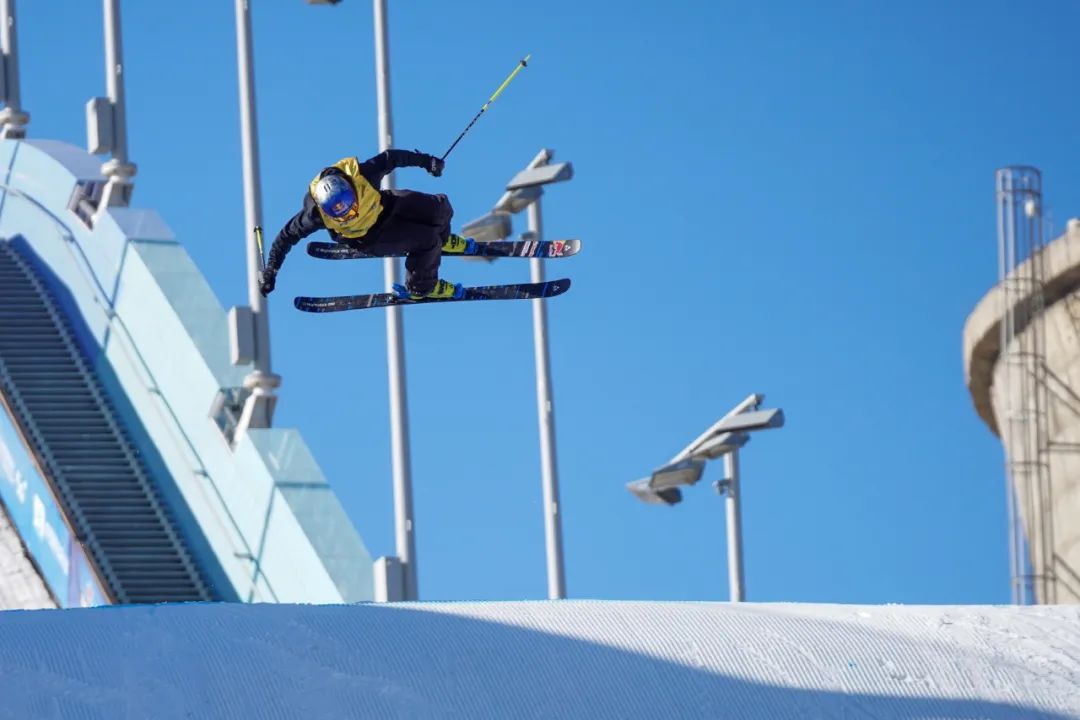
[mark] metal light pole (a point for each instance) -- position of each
(13, 119)
(546, 412)
(259, 407)
(723, 439)
(405, 531)
(524, 192)
(730, 487)
(118, 168)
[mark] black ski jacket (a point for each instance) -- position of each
(309, 220)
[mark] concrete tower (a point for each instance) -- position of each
(1022, 366)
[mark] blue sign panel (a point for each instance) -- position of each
(37, 517)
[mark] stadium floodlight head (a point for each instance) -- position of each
(751, 421)
(727, 435)
(662, 487)
(719, 445)
(737, 421)
(527, 186)
(541, 175)
(665, 496)
(491, 227)
(684, 472)
(514, 201)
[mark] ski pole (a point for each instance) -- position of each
(523, 63)
(258, 241)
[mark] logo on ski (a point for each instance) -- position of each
(493, 249)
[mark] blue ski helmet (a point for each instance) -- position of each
(335, 196)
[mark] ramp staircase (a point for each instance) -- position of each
(96, 471)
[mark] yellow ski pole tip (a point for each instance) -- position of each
(525, 60)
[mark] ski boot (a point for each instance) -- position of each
(457, 245)
(443, 290)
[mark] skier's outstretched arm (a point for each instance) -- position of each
(374, 169)
(299, 226)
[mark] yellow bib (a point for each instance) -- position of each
(368, 202)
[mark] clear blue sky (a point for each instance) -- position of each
(780, 197)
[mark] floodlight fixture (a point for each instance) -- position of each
(527, 186)
(752, 403)
(684, 472)
(664, 496)
(751, 421)
(493, 226)
(514, 201)
(541, 175)
(720, 445)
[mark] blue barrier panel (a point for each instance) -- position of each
(37, 517)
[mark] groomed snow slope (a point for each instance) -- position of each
(569, 659)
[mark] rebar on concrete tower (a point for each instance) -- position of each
(1023, 415)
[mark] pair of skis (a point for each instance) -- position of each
(547, 249)
(506, 248)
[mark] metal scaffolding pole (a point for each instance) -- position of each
(1024, 417)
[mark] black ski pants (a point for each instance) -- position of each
(417, 224)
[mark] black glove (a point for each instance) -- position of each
(267, 280)
(433, 164)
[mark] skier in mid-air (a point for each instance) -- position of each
(345, 200)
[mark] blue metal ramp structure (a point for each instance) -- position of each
(121, 463)
(102, 483)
